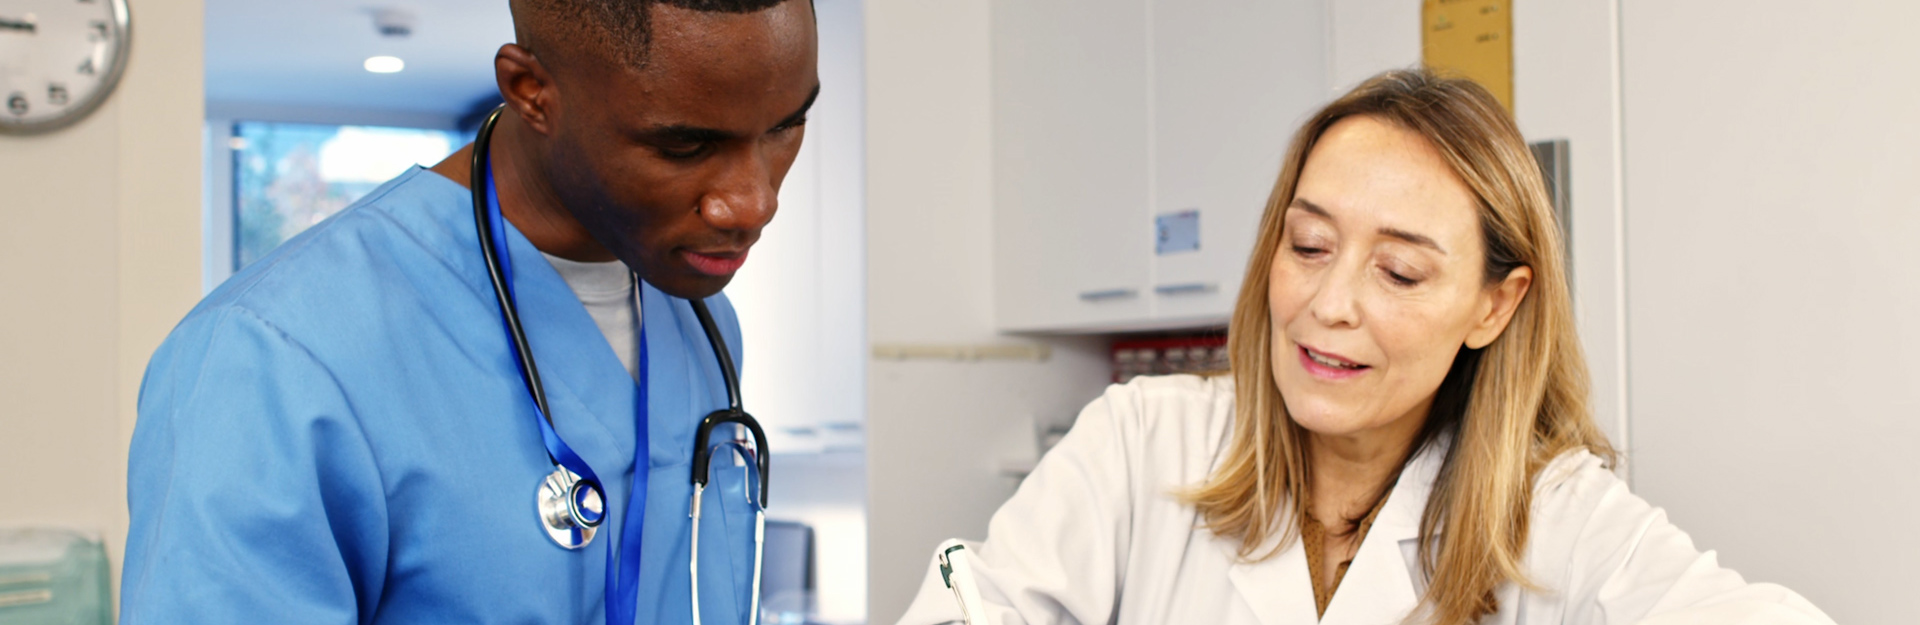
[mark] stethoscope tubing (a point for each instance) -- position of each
(759, 534)
(501, 289)
(702, 454)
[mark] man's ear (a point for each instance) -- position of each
(526, 86)
(1497, 305)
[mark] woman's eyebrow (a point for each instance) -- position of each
(1302, 204)
(1414, 238)
(1396, 233)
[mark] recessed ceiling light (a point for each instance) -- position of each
(385, 64)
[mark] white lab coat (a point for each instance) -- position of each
(1097, 534)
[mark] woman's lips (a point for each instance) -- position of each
(1342, 370)
(716, 264)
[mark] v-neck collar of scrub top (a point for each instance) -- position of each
(1380, 585)
(591, 396)
(590, 393)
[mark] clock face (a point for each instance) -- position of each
(58, 60)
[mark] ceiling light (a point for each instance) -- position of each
(385, 64)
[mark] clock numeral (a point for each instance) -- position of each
(86, 67)
(57, 94)
(100, 31)
(17, 104)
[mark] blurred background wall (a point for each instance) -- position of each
(101, 244)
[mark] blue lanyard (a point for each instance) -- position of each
(623, 573)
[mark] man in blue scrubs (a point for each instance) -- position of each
(340, 433)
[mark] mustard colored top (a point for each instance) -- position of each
(1314, 535)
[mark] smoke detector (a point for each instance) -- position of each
(393, 23)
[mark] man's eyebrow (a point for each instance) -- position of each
(684, 134)
(1396, 233)
(802, 113)
(681, 134)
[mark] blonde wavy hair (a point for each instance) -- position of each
(1511, 407)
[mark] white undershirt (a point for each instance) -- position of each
(606, 289)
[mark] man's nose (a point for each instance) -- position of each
(743, 199)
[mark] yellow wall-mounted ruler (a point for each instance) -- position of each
(1472, 38)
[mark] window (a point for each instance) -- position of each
(288, 177)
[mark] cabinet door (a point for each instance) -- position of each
(1232, 80)
(1071, 232)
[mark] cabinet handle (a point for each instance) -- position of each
(1106, 294)
(1186, 288)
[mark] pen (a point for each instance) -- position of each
(957, 571)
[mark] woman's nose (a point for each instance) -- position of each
(1333, 304)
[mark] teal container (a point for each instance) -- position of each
(53, 577)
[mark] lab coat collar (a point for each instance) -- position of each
(1379, 587)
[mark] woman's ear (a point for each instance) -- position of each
(1497, 305)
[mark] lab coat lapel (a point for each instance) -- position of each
(1379, 586)
(1277, 589)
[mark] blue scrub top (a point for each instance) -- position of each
(338, 434)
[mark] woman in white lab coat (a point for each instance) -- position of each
(1404, 436)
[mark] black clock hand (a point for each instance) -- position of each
(10, 24)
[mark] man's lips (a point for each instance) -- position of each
(716, 263)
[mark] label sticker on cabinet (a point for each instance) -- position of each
(1177, 232)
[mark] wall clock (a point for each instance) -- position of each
(59, 59)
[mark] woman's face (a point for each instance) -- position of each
(1378, 281)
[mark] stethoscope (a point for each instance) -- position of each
(570, 503)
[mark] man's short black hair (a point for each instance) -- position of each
(621, 29)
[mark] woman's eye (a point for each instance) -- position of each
(1308, 251)
(1399, 279)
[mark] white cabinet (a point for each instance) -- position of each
(1106, 117)
(1070, 154)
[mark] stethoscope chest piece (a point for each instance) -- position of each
(571, 509)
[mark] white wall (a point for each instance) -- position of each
(937, 432)
(1774, 288)
(102, 246)
(1566, 86)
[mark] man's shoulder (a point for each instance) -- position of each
(394, 236)
(382, 260)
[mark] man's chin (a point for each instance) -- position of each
(695, 286)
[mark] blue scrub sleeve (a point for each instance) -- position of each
(253, 492)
